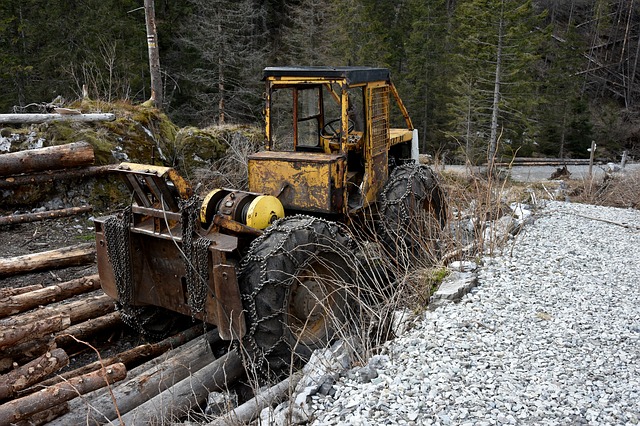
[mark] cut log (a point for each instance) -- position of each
(13, 335)
(21, 408)
(88, 328)
(75, 154)
(45, 118)
(251, 409)
(14, 291)
(187, 393)
(164, 372)
(81, 254)
(44, 417)
(33, 372)
(51, 214)
(51, 176)
(25, 352)
(78, 311)
(129, 357)
(23, 302)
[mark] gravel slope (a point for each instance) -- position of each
(551, 336)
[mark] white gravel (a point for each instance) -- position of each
(551, 336)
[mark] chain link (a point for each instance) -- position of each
(318, 229)
(196, 255)
(116, 234)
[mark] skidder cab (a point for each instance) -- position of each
(273, 267)
(329, 141)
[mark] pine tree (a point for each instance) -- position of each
(229, 50)
(497, 43)
(424, 86)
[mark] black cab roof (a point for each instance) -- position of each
(353, 75)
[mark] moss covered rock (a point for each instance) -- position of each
(140, 134)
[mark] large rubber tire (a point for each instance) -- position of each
(294, 283)
(413, 212)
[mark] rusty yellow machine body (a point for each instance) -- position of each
(328, 149)
(329, 140)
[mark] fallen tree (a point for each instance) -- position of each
(144, 382)
(131, 356)
(68, 115)
(87, 328)
(51, 176)
(78, 311)
(14, 291)
(10, 336)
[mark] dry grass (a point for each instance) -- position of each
(615, 190)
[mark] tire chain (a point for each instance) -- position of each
(281, 225)
(116, 234)
(116, 231)
(196, 253)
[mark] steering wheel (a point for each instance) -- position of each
(331, 130)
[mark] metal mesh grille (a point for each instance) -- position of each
(379, 121)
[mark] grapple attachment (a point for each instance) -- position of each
(156, 253)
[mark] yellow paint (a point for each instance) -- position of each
(263, 211)
(301, 181)
(205, 204)
(181, 185)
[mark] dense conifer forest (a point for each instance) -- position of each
(524, 78)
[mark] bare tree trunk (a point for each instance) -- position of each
(154, 54)
(221, 91)
(493, 140)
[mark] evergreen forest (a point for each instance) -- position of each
(525, 78)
